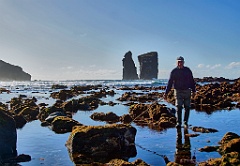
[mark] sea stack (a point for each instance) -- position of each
(129, 68)
(148, 65)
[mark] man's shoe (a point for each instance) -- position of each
(185, 124)
(178, 125)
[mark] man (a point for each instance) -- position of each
(181, 79)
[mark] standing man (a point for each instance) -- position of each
(181, 79)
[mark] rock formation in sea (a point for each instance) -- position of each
(129, 68)
(148, 65)
(10, 72)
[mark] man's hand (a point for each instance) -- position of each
(165, 96)
(193, 94)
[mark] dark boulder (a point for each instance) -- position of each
(8, 136)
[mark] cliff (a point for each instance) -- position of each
(10, 72)
(148, 65)
(129, 68)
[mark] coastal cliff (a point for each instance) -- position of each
(10, 72)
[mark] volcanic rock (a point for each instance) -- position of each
(148, 65)
(129, 68)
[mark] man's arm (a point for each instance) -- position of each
(169, 85)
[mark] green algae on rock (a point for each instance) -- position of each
(88, 144)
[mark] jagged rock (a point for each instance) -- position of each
(229, 149)
(10, 72)
(8, 136)
(228, 136)
(148, 65)
(156, 116)
(129, 68)
(88, 144)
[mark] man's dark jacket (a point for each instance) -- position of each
(181, 79)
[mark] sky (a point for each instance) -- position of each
(87, 39)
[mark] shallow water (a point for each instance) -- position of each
(47, 148)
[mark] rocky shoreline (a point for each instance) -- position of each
(118, 144)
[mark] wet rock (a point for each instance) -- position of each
(63, 94)
(63, 124)
(29, 113)
(57, 86)
(88, 103)
(192, 135)
(203, 130)
(120, 162)
(140, 97)
(232, 145)
(108, 117)
(229, 149)
(8, 136)
(212, 79)
(20, 121)
(102, 93)
(228, 136)
(209, 149)
(46, 111)
(4, 90)
(154, 115)
(126, 118)
(129, 68)
(25, 107)
(54, 115)
(88, 144)
(23, 158)
(148, 65)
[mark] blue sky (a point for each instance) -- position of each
(87, 39)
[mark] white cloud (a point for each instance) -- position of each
(67, 68)
(215, 66)
(200, 66)
(208, 66)
(233, 65)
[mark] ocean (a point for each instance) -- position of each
(48, 148)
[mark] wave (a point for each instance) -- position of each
(31, 85)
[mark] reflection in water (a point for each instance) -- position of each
(183, 150)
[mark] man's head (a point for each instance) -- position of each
(180, 62)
